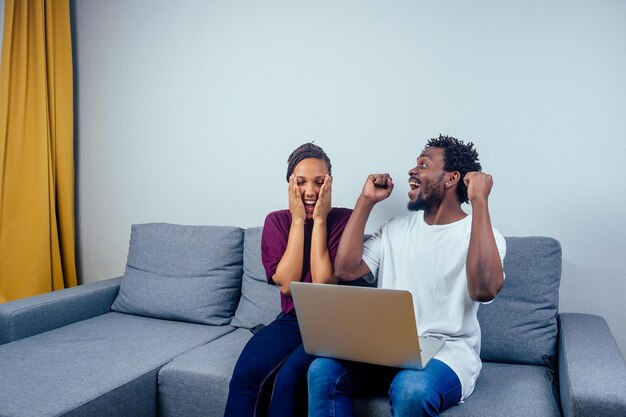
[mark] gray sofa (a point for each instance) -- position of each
(163, 339)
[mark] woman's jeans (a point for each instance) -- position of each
(275, 351)
(426, 392)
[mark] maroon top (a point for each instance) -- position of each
(274, 244)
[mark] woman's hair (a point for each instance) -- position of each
(308, 150)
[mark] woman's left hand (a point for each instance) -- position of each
(323, 204)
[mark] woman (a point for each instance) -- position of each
(298, 244)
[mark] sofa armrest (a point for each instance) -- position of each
(37, 314)
(592, 371)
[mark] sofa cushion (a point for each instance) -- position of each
(520, 325)
(260, 301)
(510, 390)
(186, 273)
(103, 366)
(196, 383)
(501, 390)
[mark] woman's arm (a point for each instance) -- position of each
(321, 265)
(290, 266)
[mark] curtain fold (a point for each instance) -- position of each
(37, 235)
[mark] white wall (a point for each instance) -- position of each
(187, 111)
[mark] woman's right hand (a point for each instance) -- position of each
(296, 206)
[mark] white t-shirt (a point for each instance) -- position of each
(429, 261)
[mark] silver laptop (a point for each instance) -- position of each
(371, 325)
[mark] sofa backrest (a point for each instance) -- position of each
(179, 272)
(520, 325)
(260, 301)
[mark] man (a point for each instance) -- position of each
(450, 262)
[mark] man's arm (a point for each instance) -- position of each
(485, 276)
(349, 264)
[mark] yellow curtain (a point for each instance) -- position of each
(36, 149)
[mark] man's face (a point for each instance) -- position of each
(427, 180)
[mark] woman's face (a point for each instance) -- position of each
(310, 174)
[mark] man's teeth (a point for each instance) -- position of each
(309, 202)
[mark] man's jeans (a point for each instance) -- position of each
(332, 383)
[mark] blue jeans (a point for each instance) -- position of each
(274, 360)
(427, 392)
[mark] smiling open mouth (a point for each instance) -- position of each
(415, 184)
(309, 204)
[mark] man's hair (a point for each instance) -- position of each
(308, 150)
(458, 156)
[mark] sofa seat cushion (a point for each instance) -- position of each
(103, 366)
(510, 390)
(501, 390)
(196, 384)
(186, 273)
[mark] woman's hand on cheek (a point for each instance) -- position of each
(296, 206)
(324, 200)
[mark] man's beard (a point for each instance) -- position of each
(434, 199)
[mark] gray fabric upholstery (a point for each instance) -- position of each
(136, 398)
(592, 371)
(501, 390)
(510, 390)
(33, 315)
(371, 406)
(66, 371)
(196, 383)
(69, 356)
(187, 273)
(260, 301)
(519, 326)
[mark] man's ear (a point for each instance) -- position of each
(453, 178)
